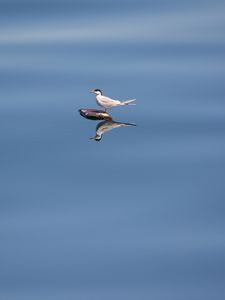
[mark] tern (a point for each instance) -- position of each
(109, 103)
(105, 126)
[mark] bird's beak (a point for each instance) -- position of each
(92, 91)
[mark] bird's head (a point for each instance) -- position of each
(97, 138)
(96, 91)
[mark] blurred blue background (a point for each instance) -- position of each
(139, 215)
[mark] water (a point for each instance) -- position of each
(140, 214)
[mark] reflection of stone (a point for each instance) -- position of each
(94, 114)
(105, 126)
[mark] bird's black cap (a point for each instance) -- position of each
(98, 90)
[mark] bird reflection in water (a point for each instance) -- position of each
(104, 126)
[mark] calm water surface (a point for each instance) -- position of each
(140, 214)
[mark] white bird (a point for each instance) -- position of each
(105, 126)
(109, 103)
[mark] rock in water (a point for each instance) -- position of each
(94, 114)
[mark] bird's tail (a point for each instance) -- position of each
(126, 124)
(128, 102)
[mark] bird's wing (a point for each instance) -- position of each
(109, 100)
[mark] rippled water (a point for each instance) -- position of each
(140, 214)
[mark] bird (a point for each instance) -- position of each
(109, 103)
(105, 126)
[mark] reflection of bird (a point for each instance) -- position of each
(105, 126)
(109, 103)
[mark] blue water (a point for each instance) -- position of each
(140, 214)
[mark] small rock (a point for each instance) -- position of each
(94, 114)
